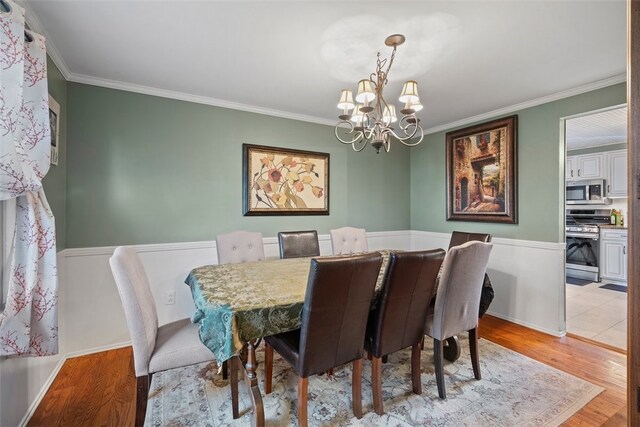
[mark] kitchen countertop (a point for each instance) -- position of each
(609, 226)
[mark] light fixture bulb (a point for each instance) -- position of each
(365, 92)
(410, 92)
(346, 100)
(389, 114)
(358, 116)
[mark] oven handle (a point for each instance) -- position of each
(583, 235)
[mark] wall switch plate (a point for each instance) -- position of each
(171, 298)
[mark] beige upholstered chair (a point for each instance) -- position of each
(239, 246)
(155, 349)
(349, 240)
(457, 303)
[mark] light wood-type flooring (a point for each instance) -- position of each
(99, 389)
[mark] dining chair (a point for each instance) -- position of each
(348, 240)
(298, 244)
(457, 303)
(239, 246)
(398, 320)
(334, 319)
(460, 237)
(155, 349)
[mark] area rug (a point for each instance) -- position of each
(514, 391)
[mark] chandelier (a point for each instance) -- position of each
(373, 118)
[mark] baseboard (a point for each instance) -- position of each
(97, 349)
(36, 402)
(597, 343)
(45, 388)
(526, 324)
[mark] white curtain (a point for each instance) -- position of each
(29, 323)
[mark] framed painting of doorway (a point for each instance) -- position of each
(481, 172)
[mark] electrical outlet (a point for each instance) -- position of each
(171, 298)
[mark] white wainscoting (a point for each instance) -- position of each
(91, 313)
(527, 276)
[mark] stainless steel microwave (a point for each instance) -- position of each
(587, 192)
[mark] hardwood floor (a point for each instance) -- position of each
(595, 364)
(99, 389)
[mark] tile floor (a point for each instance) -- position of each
(597, 314)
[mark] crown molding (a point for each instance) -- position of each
(610, 81)
(34, 23)
(163, 93)
(182, 96)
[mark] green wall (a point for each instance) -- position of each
(599, 149)
(540, 172)
(144, 169)
(55, 182)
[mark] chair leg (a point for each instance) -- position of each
(234, 367)
(303, 385)
(225, 370)
(268, 367)
(415, 369)
(376, 384)
(438, 360)
(142, 395)
(356, 388)
(473, 344)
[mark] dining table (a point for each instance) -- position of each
(239, 304)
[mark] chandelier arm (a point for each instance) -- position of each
(357, 136)
(364, 144)
(404, 140)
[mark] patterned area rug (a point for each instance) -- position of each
(514, 391)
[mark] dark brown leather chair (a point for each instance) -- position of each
(399, 318)
(298, 244)
(460, 237)
(334, 320)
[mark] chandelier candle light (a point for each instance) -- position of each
(373, 118)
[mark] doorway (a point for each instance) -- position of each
(596, 223)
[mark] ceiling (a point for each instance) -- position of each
(601, 128)
(291, 58)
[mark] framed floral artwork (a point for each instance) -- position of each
(481, 172)
(281, 181)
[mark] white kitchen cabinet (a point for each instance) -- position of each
(585, 166)
(616, 162)
(613, 256)
(571, 169)
(590, 166)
